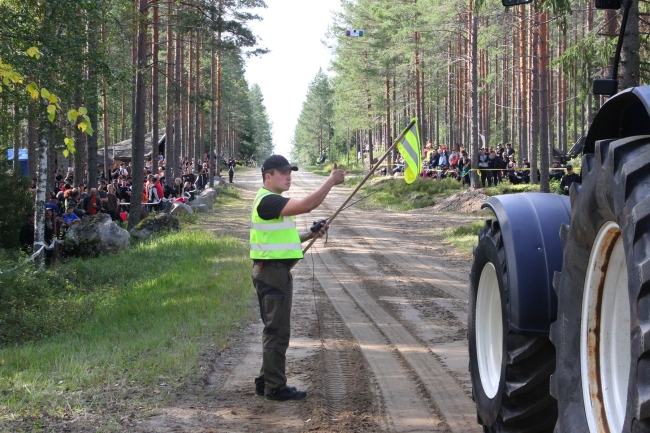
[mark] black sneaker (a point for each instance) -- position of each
(286, 394)
(259, 389)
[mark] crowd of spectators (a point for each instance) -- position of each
(495, 165)
(67, 204)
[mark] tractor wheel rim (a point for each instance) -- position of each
(605, 350)
(489, 330)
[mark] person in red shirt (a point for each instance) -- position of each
(93, 202)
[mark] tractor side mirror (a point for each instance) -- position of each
(608, 4)
(509, 3)
(605, 86)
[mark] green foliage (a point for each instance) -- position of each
(313, 135)
(18, 203)
(145, 313)
(56, 44)
(262, 137)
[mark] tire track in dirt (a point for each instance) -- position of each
(406, 408)
(377, 331)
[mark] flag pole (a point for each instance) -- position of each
(372, 170)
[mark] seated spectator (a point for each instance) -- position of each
(467, 167)
(556, 172)
(443, 161)
(435, 159)
(26, 236)
(73, 201)
(49, 226)
(53, 204)
(525, 174)
(399, 167)
(568, 179)
(168, 190)
(514, 176)
(112, 203)
(70, 218)
(92, 204)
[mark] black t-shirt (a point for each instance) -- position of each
(168, 191)
(271, 206)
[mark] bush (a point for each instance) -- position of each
(14, 209)
(36, 304)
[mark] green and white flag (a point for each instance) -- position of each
(409, 148)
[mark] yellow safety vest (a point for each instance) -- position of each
(273, 239)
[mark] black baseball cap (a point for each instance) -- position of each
(569, 167)
(277, 162)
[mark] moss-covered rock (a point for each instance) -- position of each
(154, 224)
(95, 235)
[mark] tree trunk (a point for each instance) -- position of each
(16, 161)
(92, 106)
(175, 155)
(198, 149)
(544, 139)
(41, 199)
(523, 89)
(219, 101)
(107, 171)
(32, 140)
(389, 139)
(123, 113)
(473, 38)
(155, 85)
(139, 117)
(190, 104)
(169, 94)
(213, 107)
(80, 149)
(590, 26)
(534, 59)
(630, 60)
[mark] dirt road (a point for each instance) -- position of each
(378, 331)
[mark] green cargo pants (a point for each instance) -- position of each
(274, 286)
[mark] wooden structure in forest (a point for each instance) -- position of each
(122, 151)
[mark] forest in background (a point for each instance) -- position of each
(473, 72)
(129, 67)
(88, 57)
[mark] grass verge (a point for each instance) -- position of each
(142, 319)
(465, 238)
(508, 188)
(396, 194)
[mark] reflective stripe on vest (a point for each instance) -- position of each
(274, 239)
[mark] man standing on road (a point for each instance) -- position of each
(231, 168)
(275, 247)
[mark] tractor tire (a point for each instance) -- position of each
(602, 331)
(510, 371)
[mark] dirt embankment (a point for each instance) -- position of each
(465, 202)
